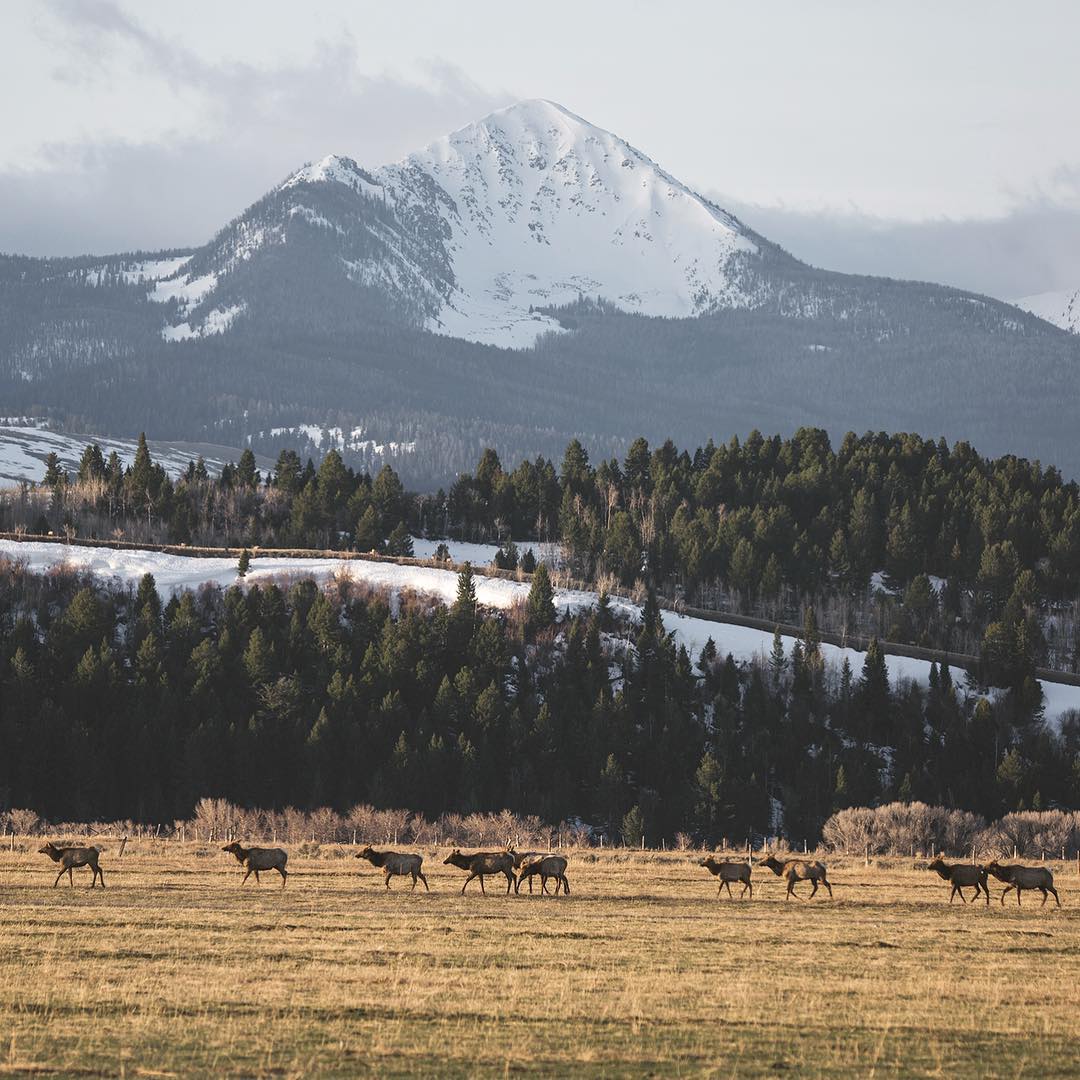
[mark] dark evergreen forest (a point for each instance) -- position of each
(117, 704)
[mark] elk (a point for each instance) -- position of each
(522, 857)
(482, 863)
(70, 858)
(728, 872)
(254, 859)
(547, 866)
(795, 870)
(961, 876)
(1025, 877)
(396, 864)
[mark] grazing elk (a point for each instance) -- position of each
(254, 859)
(70, 858)
(1025, 877)
(482, 863)
(961, 876)
(547, 866)
(522, 857)
(728, 872)
(396, 864)
(795, 870)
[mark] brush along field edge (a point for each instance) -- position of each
(177, 969)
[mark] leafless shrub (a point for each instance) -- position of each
(1031, 833)
(902, 829)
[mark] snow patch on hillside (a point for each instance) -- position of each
(1062, 308)
(216, 321)
(26, 444)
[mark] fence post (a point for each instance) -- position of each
(866, 856)
(123, 844)
(642, 841)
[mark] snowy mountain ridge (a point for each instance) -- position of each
(529, 207)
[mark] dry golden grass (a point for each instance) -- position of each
(174, 970)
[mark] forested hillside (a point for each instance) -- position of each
(117, 704)
(889, 535)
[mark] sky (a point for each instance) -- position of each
(920, 139)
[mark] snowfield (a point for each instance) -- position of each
(177, 572)
(24, 446)
(1060, 308)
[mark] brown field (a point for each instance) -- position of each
(174, 970)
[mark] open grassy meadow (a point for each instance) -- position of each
(176, 970)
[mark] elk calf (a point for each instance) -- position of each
(728, 872)
(482, 863)
(795, 870)
(547, 866)
(961, 876)
(396, 864)
(254, 859)
(1025, 877)
(70, 858)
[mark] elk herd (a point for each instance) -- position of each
(517, 867)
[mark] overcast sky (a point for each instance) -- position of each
(915, 139)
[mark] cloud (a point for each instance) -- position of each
(260, 124)
(1034, 248)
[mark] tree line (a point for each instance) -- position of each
(896, 536)
(121, 703)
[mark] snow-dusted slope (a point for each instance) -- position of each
(25, 444)
(1060, 308)
(544, 207)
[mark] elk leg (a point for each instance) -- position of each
(1046, 896)
(1056, 897)
(257, 881)
(424, 880)
(467, 880)
(71, 877)
(1018, 891)
(746, 886)
(827, 886)
(482, 889)
(386, 880)
(813, 891)
(284, 876)
(247, 875)
(509, 881)
(58, 877)
(565, 885)
(101, 874)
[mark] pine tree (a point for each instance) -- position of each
(540, 605)
(399, 543)
(53, 473)
(465, 605)
(247, 476)
(368, 536)
(244, 564)
(633, 827)
(777, 660)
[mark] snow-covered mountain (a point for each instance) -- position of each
(389, 310)
(530, 207)
(1062, 308)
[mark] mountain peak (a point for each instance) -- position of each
(545, 207)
